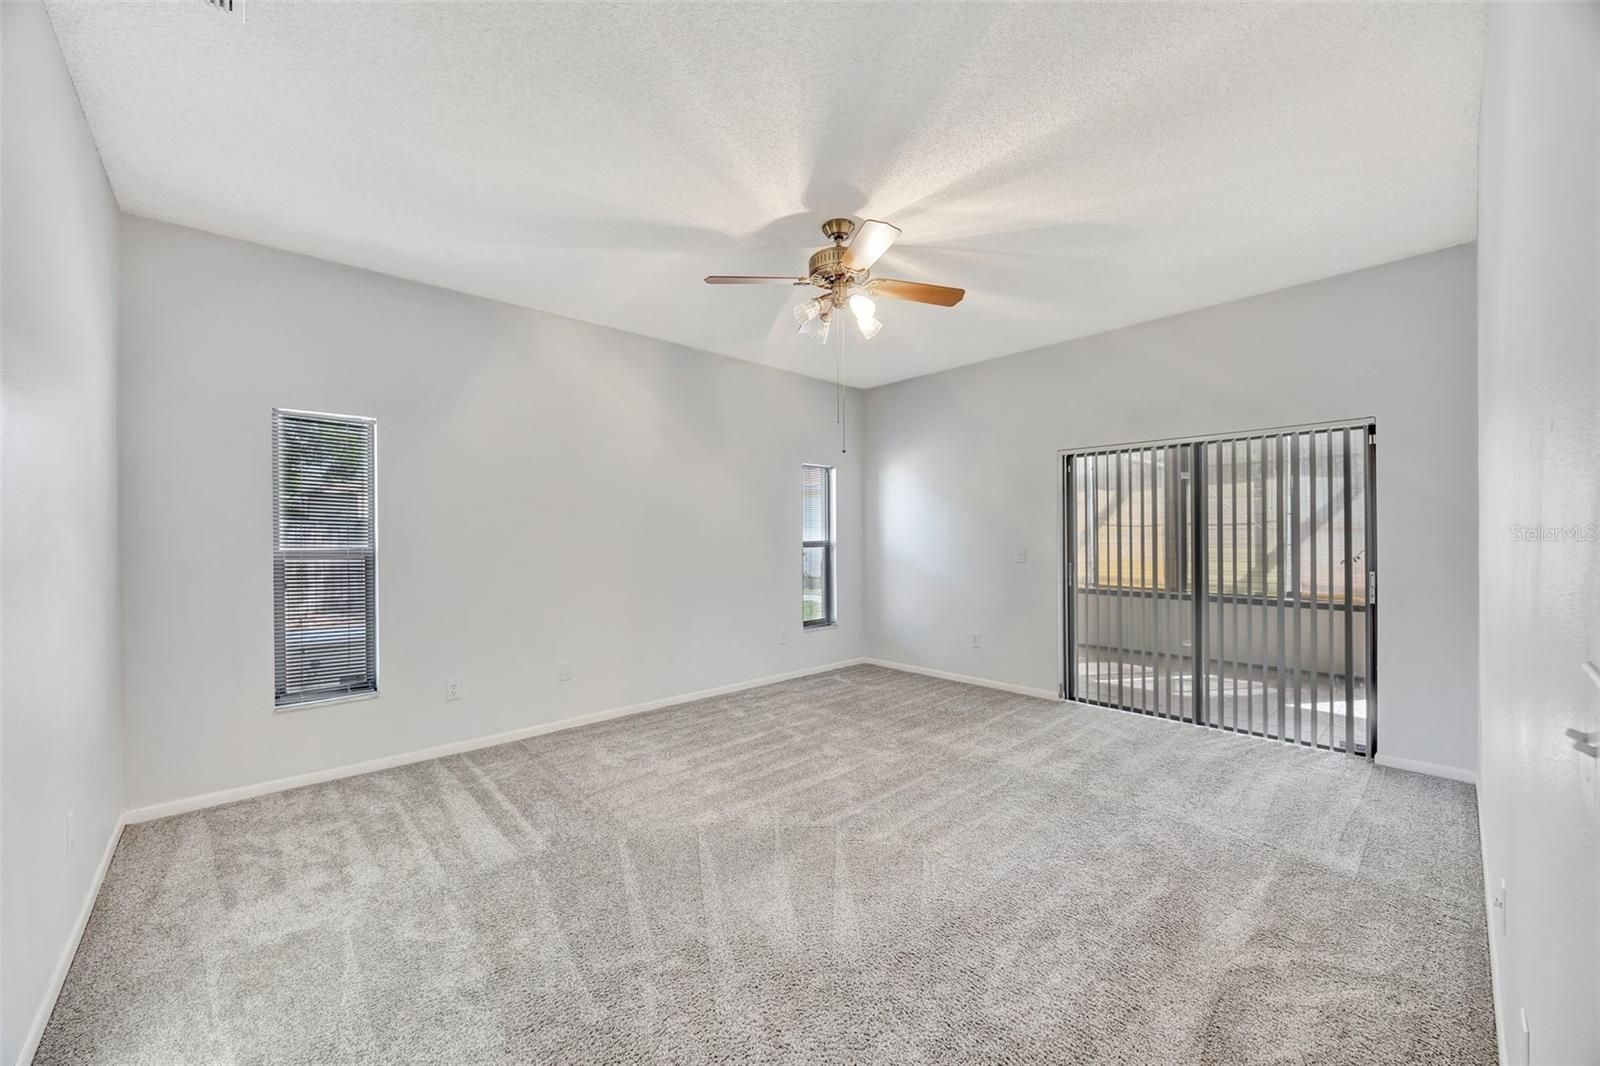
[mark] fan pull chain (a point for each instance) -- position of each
(839, 412)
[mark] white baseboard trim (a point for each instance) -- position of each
(69, 950)
(1432, 769)
(984, 682)
(316, 777)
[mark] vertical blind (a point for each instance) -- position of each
(324, 557)
(1226, 582)
(816, 545)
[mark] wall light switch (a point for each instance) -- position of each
(1021, 555)
(564, 672)
(452, 689)
(977, 640)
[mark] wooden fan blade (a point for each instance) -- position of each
(916, 291)
(738, 279)
(872, 238)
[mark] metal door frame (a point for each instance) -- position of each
(1066, 558)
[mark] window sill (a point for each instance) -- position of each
(305, 705)
(819, 625)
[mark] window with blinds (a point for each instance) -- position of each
(324, 558)
(816, 546)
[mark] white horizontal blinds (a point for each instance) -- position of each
(1224, 581)
(817, 545)
(324, 557)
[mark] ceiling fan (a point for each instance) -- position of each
(844, 271)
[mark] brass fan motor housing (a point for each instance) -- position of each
(826, 267)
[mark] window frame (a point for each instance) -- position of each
(830, 549)
(284, 701)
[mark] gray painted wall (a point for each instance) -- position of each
(647, 498)
(962, 472)
(548, 492)
(1539, 465)
(60, 693)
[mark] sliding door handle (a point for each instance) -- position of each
(1588, 743)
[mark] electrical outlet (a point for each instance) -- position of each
(72, 833)
(977, 640)
(452, 689)
(1500, 907)
(564, 672)
(1020, 555)
(783, 636)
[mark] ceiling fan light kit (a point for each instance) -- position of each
(864, 309)
(844, 271)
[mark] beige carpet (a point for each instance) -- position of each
(858, 866)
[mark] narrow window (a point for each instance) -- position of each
(817, 570)
(324, 558)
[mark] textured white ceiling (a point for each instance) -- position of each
(1076, 167)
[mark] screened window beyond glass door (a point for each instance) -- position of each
(816, 546)
(1227, 582)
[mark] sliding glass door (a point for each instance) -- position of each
(1227, 582)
